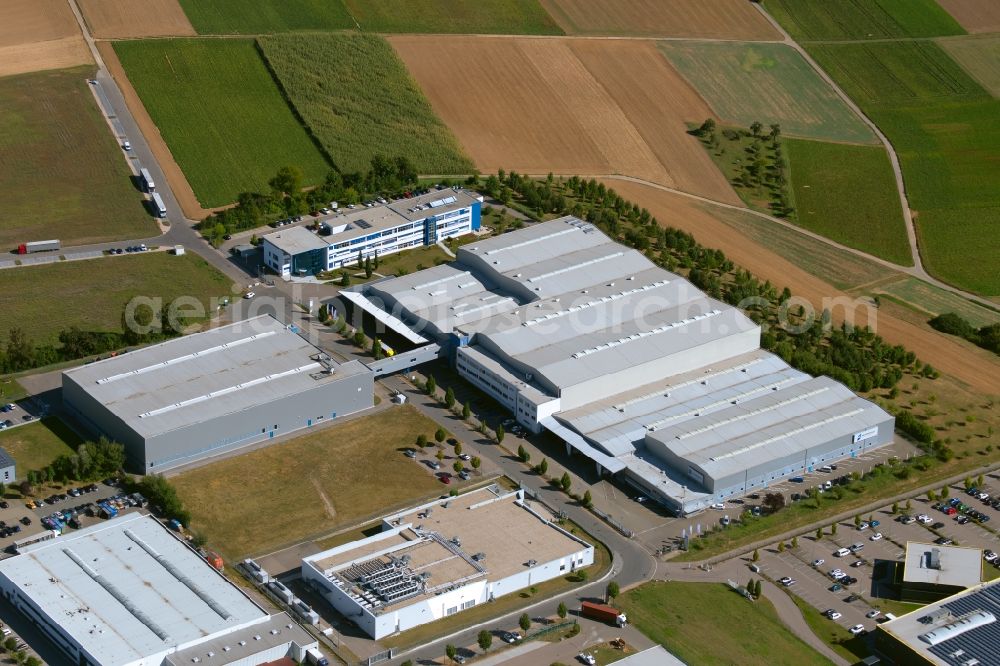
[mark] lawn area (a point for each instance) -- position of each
(35, 445)
(91, 294)
(770, 83)
(851, 648)
(848, 194)
(221, 114)
(289, 492)
(62, 174)
(943, 127)
(696, 622)
(862, 19)
(934, 301)
(358, 100)
(980, 56)
(400, 263)
(500, 17)
(228, 17)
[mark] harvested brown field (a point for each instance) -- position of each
(39, 34)
(178, 183)
(974, 15)
(128, 19)
(946, 353)
(568, 106)
(718, 19)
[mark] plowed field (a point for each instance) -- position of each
(719, 19)
(567, 106)
(975, 15)
(944, 352)
(131, 19)
(39, 34)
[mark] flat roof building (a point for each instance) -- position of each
(128, 592)
(200, 395)
(8, 468)
(654, 656)
(960, 630)
(444, 557)
(376, 229)
(931, 572)
(627, 363)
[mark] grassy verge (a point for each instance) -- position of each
(11, 390)
(284, 494)
(505, 604)
(335, 81)
(227, 17)
(43, 300)
(707, 623)
(851, 648)
(221, 114)
(62, 173)
(35, 445)
(400, 263)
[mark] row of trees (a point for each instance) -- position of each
(987, 337)
(286, 197)
(92, 460)
(140, 325)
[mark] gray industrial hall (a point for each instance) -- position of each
(201, 395)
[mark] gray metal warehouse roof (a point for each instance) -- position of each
(127, 589)
(198, 377)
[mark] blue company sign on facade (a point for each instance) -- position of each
(865, 434)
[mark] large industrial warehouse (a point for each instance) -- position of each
(200, 395)
(627, 363)
(442, 558)
(127, 592)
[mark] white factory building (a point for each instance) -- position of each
(128, 592)
(444, 557)
(627, 363)
(380, 229)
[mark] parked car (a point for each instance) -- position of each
(819, 562)
(924, 519)
(410, 453)
(787, 581)
(842, 552)
(943, 541)
(872, 614)
(585, 658)
(989, 555)
(832, 614)
(857, 629)
(836, 587)
(876, 537)
(510, 636)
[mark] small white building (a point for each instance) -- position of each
(444, 557)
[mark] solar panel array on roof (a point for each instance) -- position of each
(363, 224)
(981, 642)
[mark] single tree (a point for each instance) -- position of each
(485, 640)
(377, 349)
(458, 448)
(756, 589)
(582, 576)
(895, 508)
(524, 622)
(522, 453)
(376, 258)
(500, 434)
(795, 542)
(562, 611)
(32, 661)
(968, 482)
(945, 491)
(421, 440)
(431, 385)
(368, 267)
(611, 591)
(909, 505)
(756, 127)
(819, 533)
(450, 651)
(466, 411)
(440, 435)
(475, 462)
(565, 482)
(440, 455)
(931, 496)
(360, 259)
(449, 398)
(857, 521)
(833, 529)
(979, 481)
(756, 556)
(10, 644)
(781, 546)
(345, 279)
(588, 500)
(543, 466)
(458, 466)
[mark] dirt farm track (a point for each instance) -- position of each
(39, 34)
(126, 19)
(567, 106)
(946, 353)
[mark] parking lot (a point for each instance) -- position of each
(13, 414)
(811, 564)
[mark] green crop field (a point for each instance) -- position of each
(934, 301)
(45, 299)
(62, 174)
(771, 83)
(944, 129)
(695, 621)
(501, 17)
(221, 114)
(980, 56)
(228, 17)
(848, 193)
(358, 99)
(808, 20)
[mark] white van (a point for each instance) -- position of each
(842, 552)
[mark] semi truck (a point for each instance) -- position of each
(603, 613)
(147, 180)
(38, 246)
(158, 208)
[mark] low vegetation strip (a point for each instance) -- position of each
(848, 194)
(359, 100)
(221, 114)
(695, 621)
(809, 20)
(61, 173)
(273, 497)
(227, 17)
(770, 83)
(943, 127)
(499, 17)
